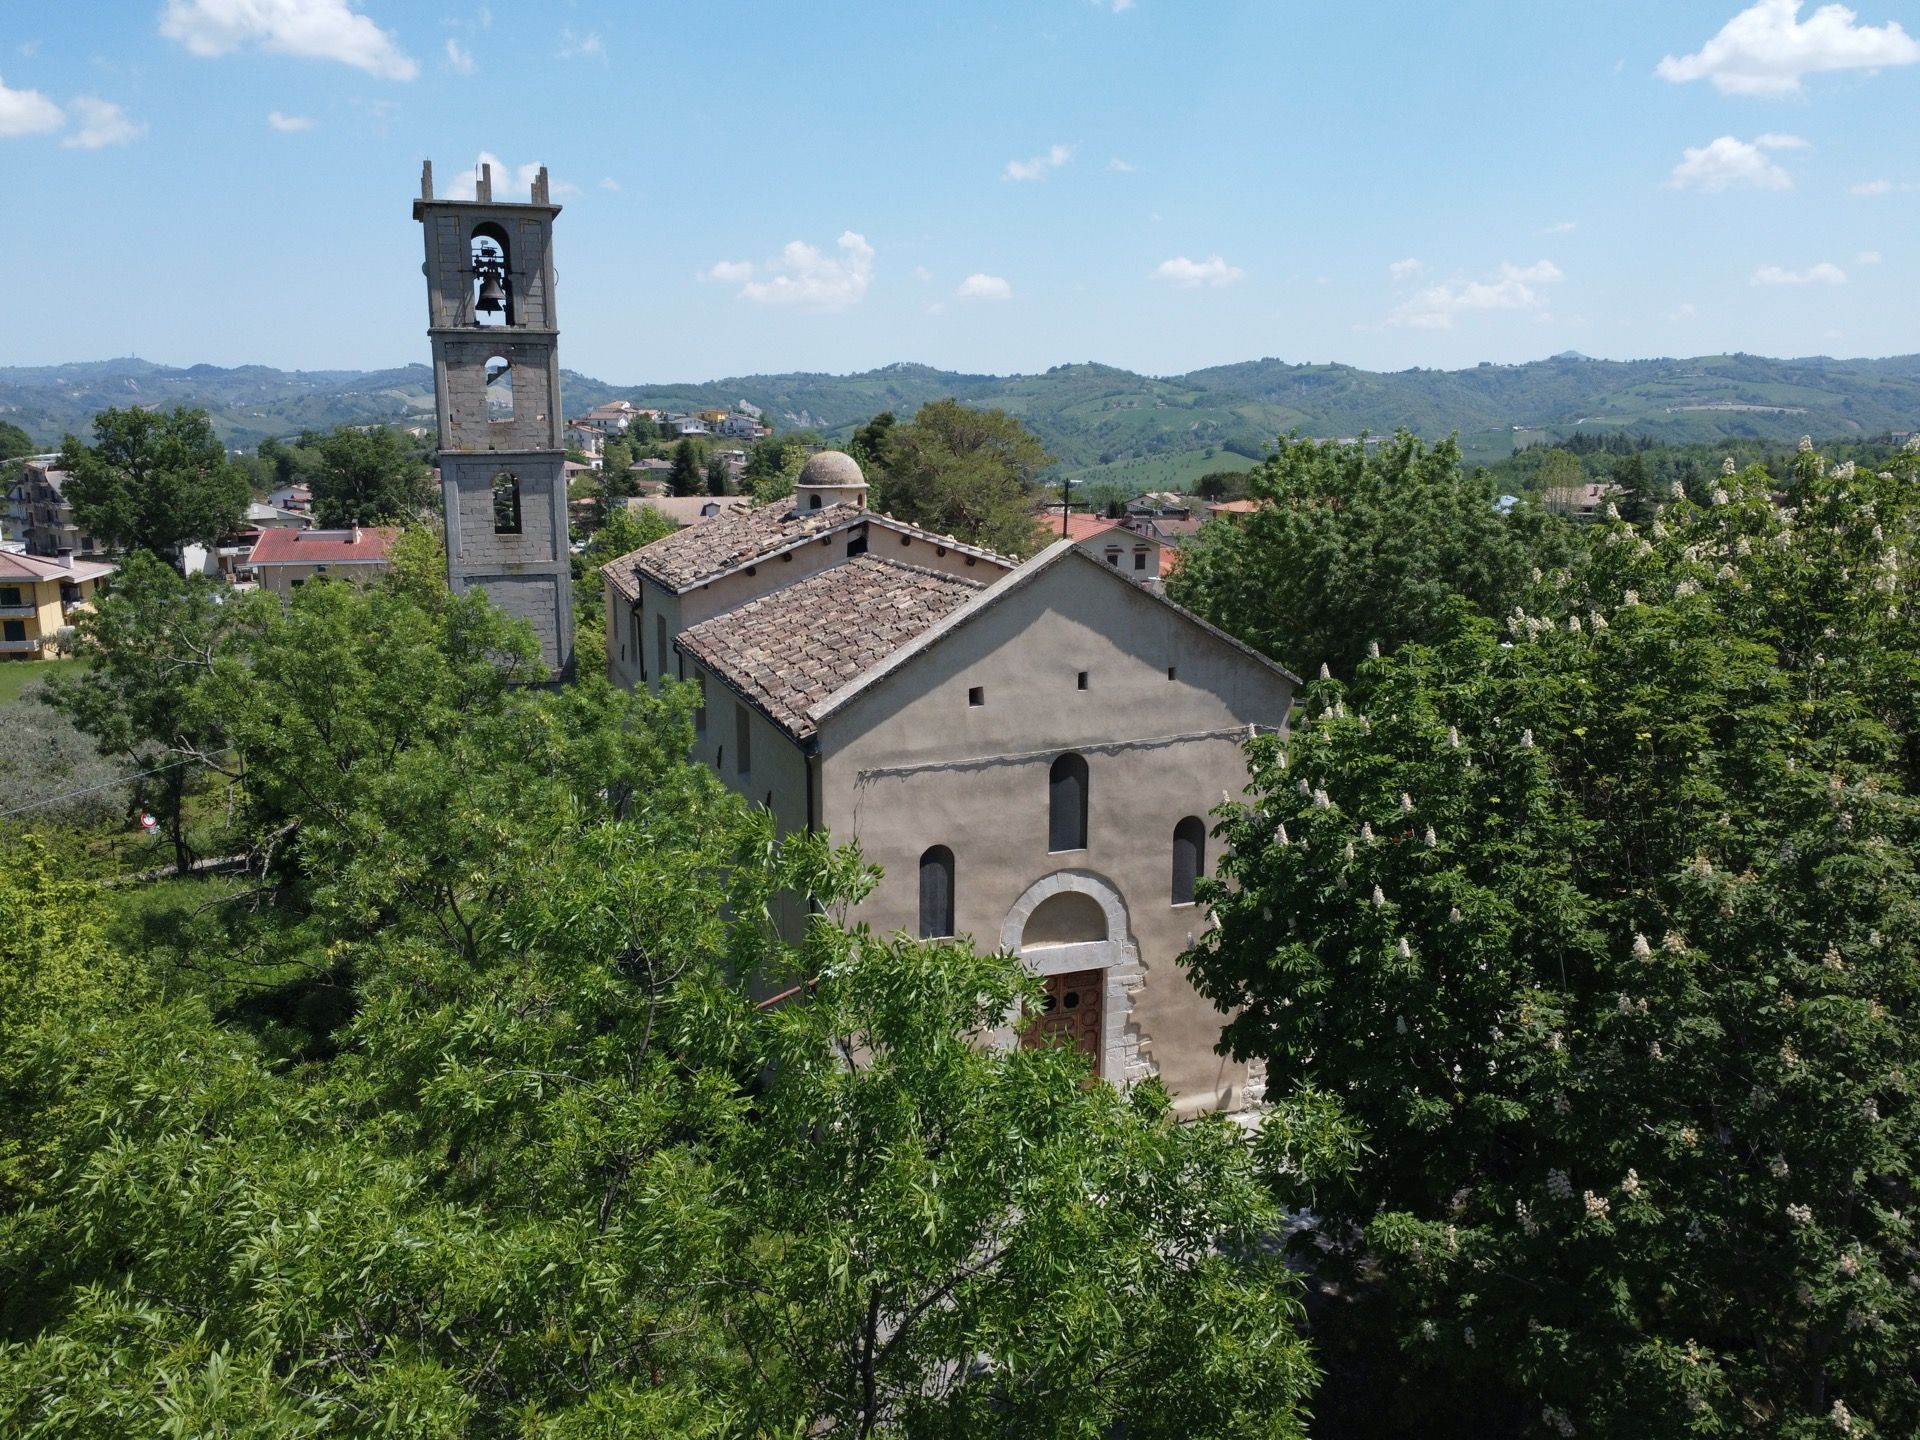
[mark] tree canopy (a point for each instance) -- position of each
(487, 1100)
(375, 475)
(1593, 942)
(1358, 544)
(153, 480)
(14, 441)
(957, 471)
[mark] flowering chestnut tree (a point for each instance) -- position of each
(1594, 940)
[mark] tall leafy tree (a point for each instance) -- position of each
(1596, 938)
(719, 478)
(153, 480)
(1359, 544)
(963, 472)
(684, 477)
(370, 476)
(552, 1168)
(14, 441)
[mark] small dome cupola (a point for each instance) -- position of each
(830, 478)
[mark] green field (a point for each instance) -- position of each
(17, 675)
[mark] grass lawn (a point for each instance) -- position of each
(16, 675)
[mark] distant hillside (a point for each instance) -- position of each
(1101, 422)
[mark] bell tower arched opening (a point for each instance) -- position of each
(491, 260)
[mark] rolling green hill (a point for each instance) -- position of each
(1102, 423)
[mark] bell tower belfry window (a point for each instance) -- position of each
(496, 380)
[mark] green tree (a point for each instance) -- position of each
(14, 441)
(370, 476)
(1358, 545)
(719, 478)
(1635, 500)
(627, 528)
(963, 472)
(872, 444)
(153, 481)
(1600, 944)
(684, 478)
(152, 647)
(547, 1166)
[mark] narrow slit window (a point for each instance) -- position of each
(742, 741)
(1189, 857)
(660, 644)
(1067, 804)
(1080, 681)
(977, 695)
(936, 893)
(506, 503)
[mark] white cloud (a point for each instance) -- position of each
(922, 274)
(459, 57)
(1039, 165)
(607, 182)
(984, 287)
(1867, 257)
(1825, 273)
(1188, 274)
(507, 180)
(1560, 227)
(27, 112)
(1875, 188)
(1686, 311)
(1773, 140)
(1123, 166)
(1514, 288)
(1117, 7)
(312, 29)
(1765, 49)
(1405, 269)
(288, 123)
(727, 272)
(581, 47)
(102, 123)
(1727, 163)
(803, 275)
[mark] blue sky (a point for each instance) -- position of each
(1157, 184)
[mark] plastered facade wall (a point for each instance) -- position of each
(910, 764)
(283, 580)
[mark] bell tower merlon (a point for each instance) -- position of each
(496, 380)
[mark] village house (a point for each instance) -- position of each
(1135, 555)
(284, 560)
(49, 526)
(1029, 751)
(38, 597)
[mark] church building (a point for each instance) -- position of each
(1028, 750)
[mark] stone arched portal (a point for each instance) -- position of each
(1056, 932)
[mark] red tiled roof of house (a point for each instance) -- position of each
(368, 545)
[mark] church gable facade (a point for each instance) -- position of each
(1030, 754)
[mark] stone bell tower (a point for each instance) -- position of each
(496, 382)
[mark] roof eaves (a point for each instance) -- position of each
(1053, 555)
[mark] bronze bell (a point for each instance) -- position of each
(493, 294)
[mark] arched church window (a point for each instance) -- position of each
(936, 893)
(506, 503)
(1189, 857)
(1067, 804)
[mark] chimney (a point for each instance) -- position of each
(66, 559)
(356, 534)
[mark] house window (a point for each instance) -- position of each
(506, 503)
(10, 595)
(742, 741)
(1080, 680)
(1113, 558)
(813, 502)
(16, 629)
(1189, 858)
(1139, 559)
(1172, 673)
(639, 648)
(977, 695)
(936, 893)
(857, 545)
(1067, 804)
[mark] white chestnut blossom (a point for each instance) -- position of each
(1558, 1186)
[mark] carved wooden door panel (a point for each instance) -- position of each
(1072, 1014)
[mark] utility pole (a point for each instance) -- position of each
(1066, 504)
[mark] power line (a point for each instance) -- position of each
(105, 785)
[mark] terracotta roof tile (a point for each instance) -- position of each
(792, 649)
